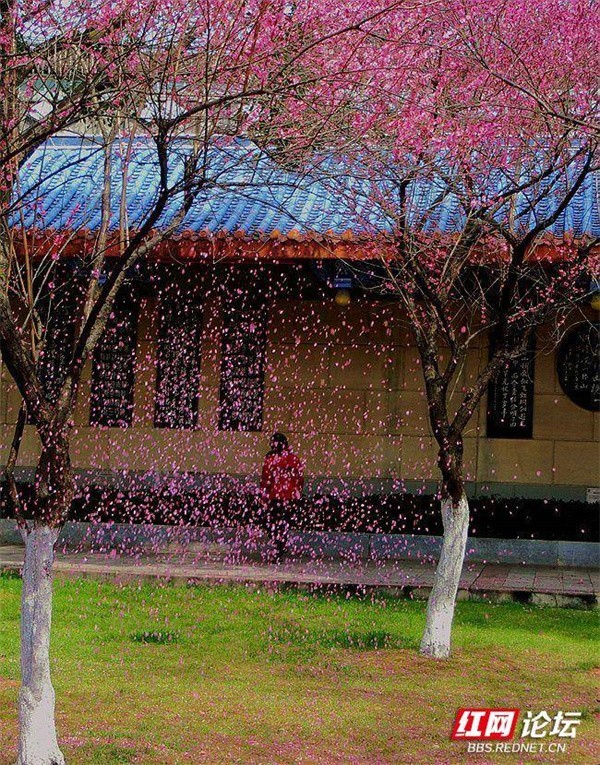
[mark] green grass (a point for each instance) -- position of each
(159, 675)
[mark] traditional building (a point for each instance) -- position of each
(248, 321)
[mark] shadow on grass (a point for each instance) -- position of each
(293, 635)
(573, 623)
(109, 754)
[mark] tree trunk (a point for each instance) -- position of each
(51, 503)
(440, 606)
(37, 732)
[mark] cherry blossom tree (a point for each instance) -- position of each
(185, 77)
(482, 103)
(492, 283)
(476, 136)
(546, 66)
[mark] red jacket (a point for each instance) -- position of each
(282, 476)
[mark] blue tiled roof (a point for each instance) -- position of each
(247, 192)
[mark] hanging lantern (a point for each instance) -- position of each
(338, 276)
(342, 283)
(342, 297)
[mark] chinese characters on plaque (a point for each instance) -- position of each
(510, 398)
(578, 365)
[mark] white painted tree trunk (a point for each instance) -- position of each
(37, 730)
(440, 606)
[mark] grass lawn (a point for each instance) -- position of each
(162, 675)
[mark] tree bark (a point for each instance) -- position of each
(53, 493)
(436, 641)
(53, 484)
(38, 744)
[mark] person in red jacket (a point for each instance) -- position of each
(281, 486)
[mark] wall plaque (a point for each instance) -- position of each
(578, 364)
(510, 398)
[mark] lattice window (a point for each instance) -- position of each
(113, 367)
(242, 366)
(58, 312)
(176, 403)
(58, 347)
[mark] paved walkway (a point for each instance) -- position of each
(215, 565)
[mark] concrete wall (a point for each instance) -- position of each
(345, 384)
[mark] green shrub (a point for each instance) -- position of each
(159, 637)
